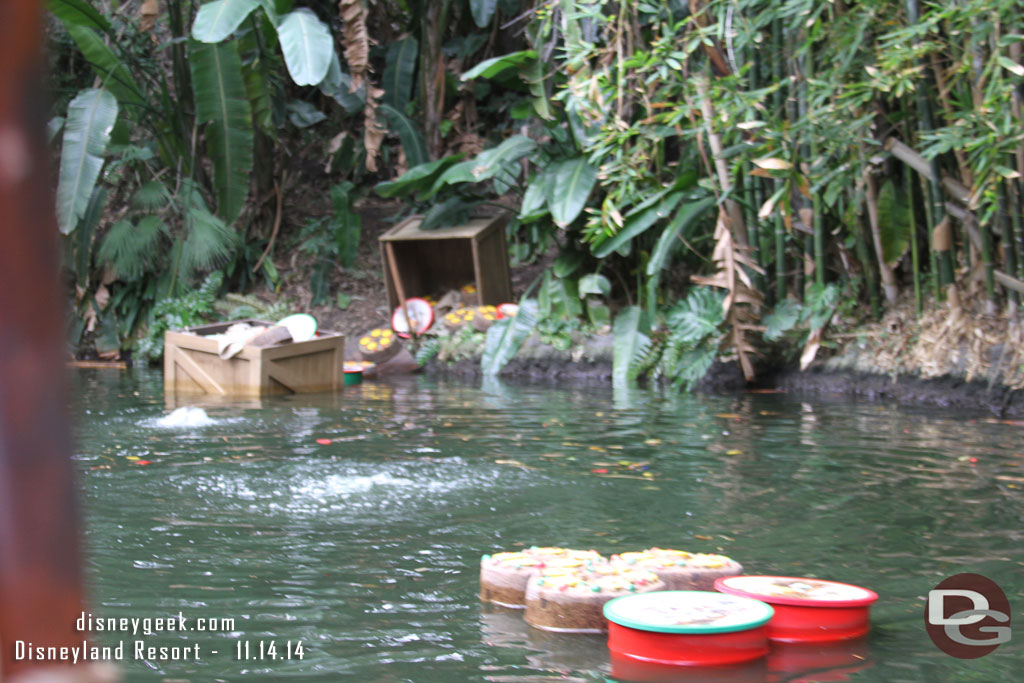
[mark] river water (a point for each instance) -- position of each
(366, 549)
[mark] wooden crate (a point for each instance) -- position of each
(191, 364)
(434, 261)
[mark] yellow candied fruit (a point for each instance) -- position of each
(386, 333)
(511, 555)
(372, 346)
(364, 341)
(376, 333)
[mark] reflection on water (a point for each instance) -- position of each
(354, 522)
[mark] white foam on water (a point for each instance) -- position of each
(185, 417)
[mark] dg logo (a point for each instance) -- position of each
(967, 616)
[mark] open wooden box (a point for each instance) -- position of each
(433, 261)
(192, 365)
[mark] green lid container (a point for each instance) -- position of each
(694, 612)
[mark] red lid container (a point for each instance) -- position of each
(687, 628)
(806, 610)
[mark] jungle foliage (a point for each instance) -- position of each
(733, 172)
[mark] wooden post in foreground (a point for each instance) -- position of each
(40, 573)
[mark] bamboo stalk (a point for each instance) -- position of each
(1009, 238)
(934, 193)
(889, 286)
(866, 262)
(933, 258)
(970, 223)
(739, 233)
(915, 260)
(779, 108)
(780, 253)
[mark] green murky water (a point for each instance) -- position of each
(366, 550)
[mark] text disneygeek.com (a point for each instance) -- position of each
(141, 649)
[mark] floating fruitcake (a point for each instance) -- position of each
(681, 570)
(379, 345)
(504, 576)
(571, 600)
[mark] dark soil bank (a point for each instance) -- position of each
(947, 392)
(724, 378)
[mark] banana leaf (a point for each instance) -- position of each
(91, 117)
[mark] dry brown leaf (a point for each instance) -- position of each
(810, 349)
(102, 296)
(773, 164)
(149, 10)
(373, 130)
(357, 41)
(741, 301)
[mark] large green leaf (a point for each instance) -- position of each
(639, 220)
(452, 211)
(534, 74)
(416, 178)
(534, 199)
(781, 320)
(91, 117)
(483, 11)
(679, 225)
(338, 85)
(217, 20)
(221, 101)
(116, 76)
(487, 164)
(399, 70)
(893, 222)
(506, 336)
(570, 183)
(412, 141)
(307, 45)
(491, 67)
(631, 343)
(78, 13)
(346, 223)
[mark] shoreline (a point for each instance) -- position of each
(824, 378)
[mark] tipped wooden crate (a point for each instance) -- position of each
(192, 365)
(433, 261)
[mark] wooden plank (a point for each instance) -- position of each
(99, 364)
(409, 230)
(301, 348)
(497, 287)
(183, 361)
(288, 379)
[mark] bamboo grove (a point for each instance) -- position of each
(717, 172)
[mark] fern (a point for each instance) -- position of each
(693, 365)
(178, 313)
(428, 349)
(687, 348)
(131, 249)
(150, 196)
(209, 243)
(237, 306)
